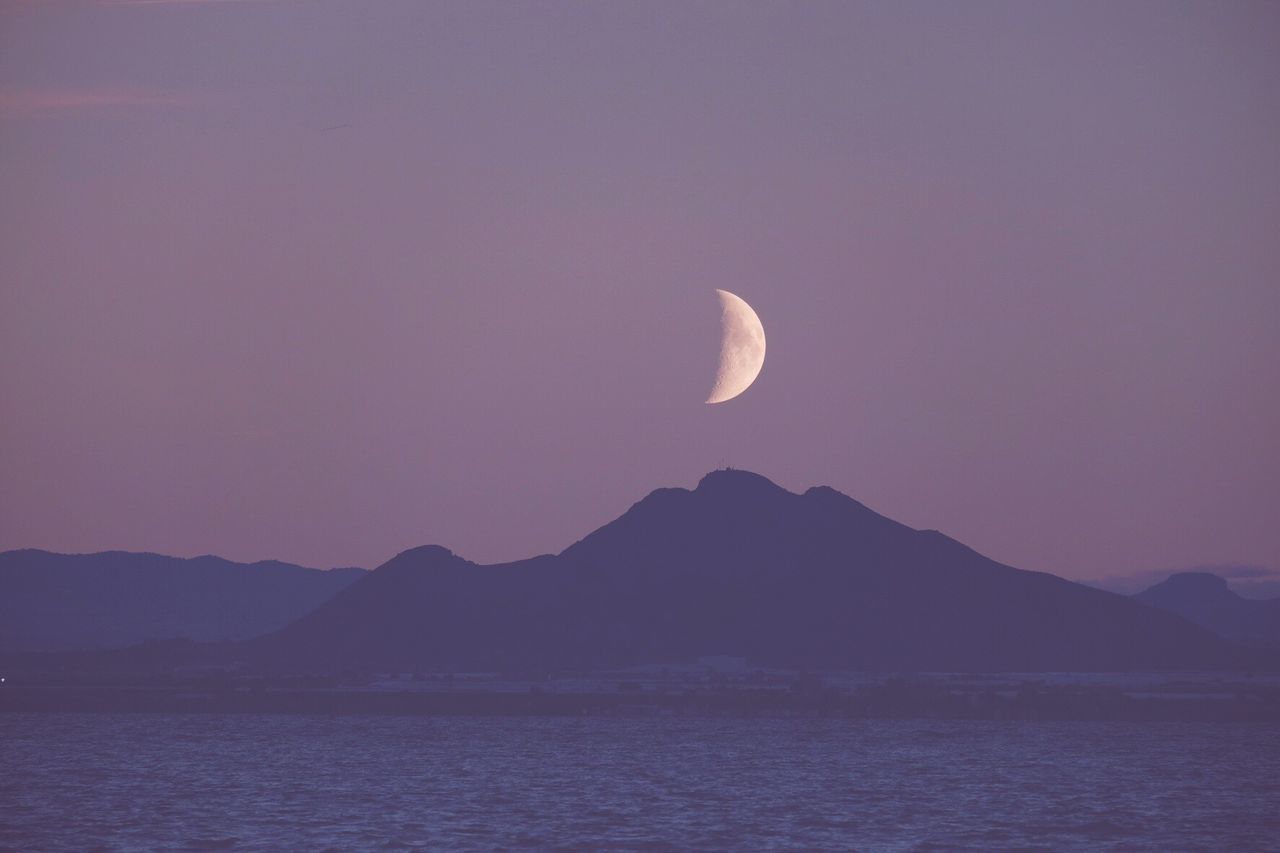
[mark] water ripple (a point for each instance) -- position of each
(155, 782)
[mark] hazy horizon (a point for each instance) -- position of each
(1248, 581)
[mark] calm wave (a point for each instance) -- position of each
(140, 781)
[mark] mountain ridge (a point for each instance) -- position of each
(111, 599)
(738, 566)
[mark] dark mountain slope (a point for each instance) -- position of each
(93, 601)
(740, 567)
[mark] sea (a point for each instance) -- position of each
(294, 782)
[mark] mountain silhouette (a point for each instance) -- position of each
(738, 566)
(112, 599)
(1206, 600)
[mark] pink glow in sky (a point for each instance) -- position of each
(320, 281)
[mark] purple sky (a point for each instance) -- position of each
(1018, 264)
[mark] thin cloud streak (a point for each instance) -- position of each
(175, 2)
(19, 100)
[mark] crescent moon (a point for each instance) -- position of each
(741, 348)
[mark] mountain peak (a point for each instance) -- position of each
(737, 480)
(1207, 600)
(426, 554)
(1194, 582)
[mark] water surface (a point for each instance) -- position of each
(147, 782)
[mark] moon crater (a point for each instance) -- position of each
(741, 348)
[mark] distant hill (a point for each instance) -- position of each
(1206, 600)
(741, 567)
(93, 601)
